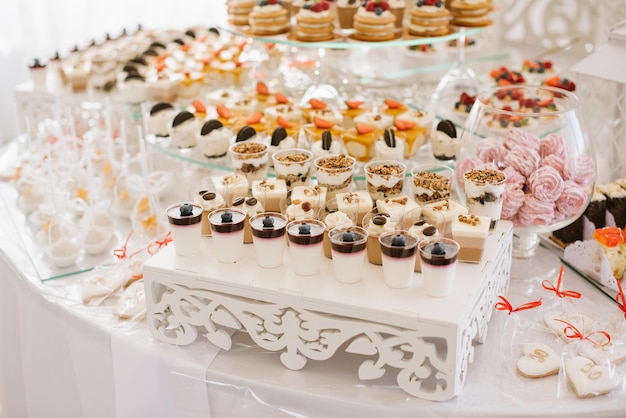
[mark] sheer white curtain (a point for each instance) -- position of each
(37, 28)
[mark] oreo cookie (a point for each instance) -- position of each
(150, 53)
(245, 133)
(157, 45)
(214, 30)
(327, 140)
(135, 76)
(209, 126)
(390, 138)
(191, 34)
(138, 60)
(278, 135)
(130, 69)
(159, 107)
(179, 41)
(447, 127)
(181, 118)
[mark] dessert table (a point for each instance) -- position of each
(59, 357)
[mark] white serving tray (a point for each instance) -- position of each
(429, 340)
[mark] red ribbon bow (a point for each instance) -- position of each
(155, 246)
(620, 299)
(120, 253)
(547, 284)
(505, 305)
(570, 331)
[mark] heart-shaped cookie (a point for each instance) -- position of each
(588, 379)
(538, 360)
(557, 322)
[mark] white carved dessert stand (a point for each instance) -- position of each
(428, 340)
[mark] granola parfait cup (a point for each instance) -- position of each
(293, 166)
(431, 182)
(250, 159)
(484, 191)
(335, 172)
(384, 178)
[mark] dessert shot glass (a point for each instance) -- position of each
(384, 178)
(335, 172)
(348, 250)
(305, 246)
(227, 225)
(332, 217)
(250, 159)
(399, 249)
(483, 193)
(431, 182)
(439, 259)
(293, 166)
(376, 224)
(186, 226)
(268, 232)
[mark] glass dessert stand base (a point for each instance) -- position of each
(531, 263)
(427, 341)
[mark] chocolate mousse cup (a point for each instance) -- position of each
(185, 224)
(399, 249)
(348, 248)
(439, 259)
(305, 246)
(227, 226)
(268, 231)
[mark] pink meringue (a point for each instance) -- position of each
(546, 184)
(523, 159)
(517, 136)
(553, 144)
(572, 200)
(535, 212)
(580, 169)
(514, 177)
(512, 199)
(491, 150)
(555, 162)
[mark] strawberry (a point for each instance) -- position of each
(262, 88)
(392, 104)
(317, 104)
(322, 123)
(383, 5)
(404, 125)
(530, 103)
(364, 129)
(185, 47)
(545, 102)
(281, 98)
(317, 7)
(371, 6)
(353, 104)
(507, 108)
(547, 65)
(223, 112)
(199, 106)
(280, 121)
(254, 118)
(504, 82)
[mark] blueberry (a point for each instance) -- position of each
(536, 109)
(438, 249)
(227, 217)
(304, 229)
(268, 222)
(306, 6)
(348, 236)
(378, 11)
(186, 209)
(468, 107)
(438, 4)
(457, 105)
(398, 241)
(504, 123)
(540, 70)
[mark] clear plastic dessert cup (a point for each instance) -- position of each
(484, 190)
(305, 246)
(399, 250)
(384, 178)
(439, 260)
(268, 235)
(186, 226)
(250, 159)
(348, 248)
(335, 172)
(227, 225)
(431, 182)
(293, 166)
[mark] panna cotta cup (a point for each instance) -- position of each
(186, 226)
(384, 178)
(376, 224)
(227, 225)
(439, 259)
(250, 159)
(305, 246)
(348, 249)
(293, 166)
(399, 249)
(268, 232)
(332, 217)
(484, 189)
(335, 172)
(431, 182)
